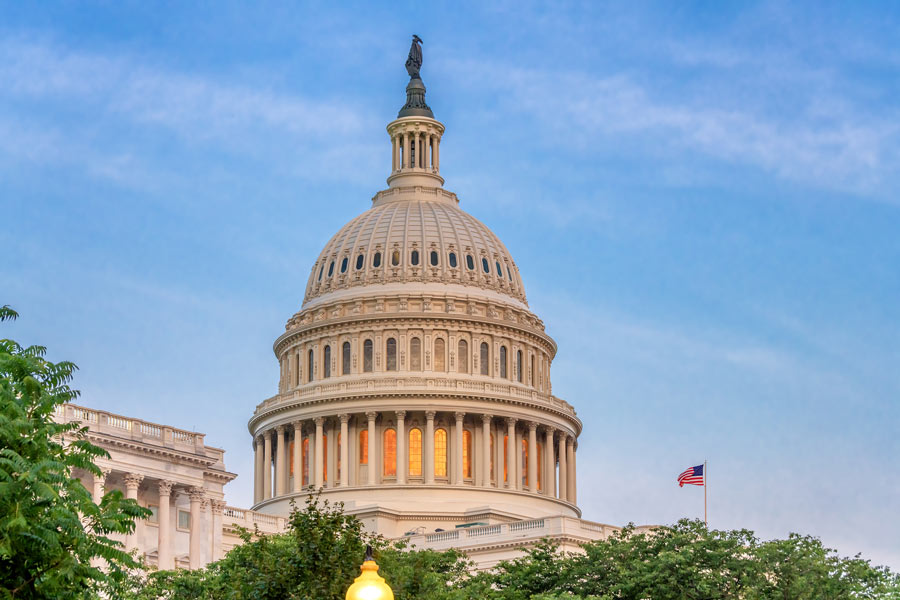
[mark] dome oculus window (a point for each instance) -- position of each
(434, 258)
(470, 262)
(321, 270)
(360, 260)
(414, 258)
(395, 258)
(331, 269)
(376, 260)
(508, 273)
(452, 258)
(344, 265)
(485, 266)
(499, 270)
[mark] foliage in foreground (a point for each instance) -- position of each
(52, 535)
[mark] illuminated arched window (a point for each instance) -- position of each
(415, 354)
(391, 354)
(524, 463)
(440, 452)
(493, 477)
(310, 365)
(415, 452)
(390, 453)
(290, 458)
(326, 356)
(467, 454)
(305, 461)
(363, 447)
(506, 464)
(503, 372)
(368, 361)
(519, 366)
(345, 358)
(439, 355)
(485, 359)
(462, 356)
(540, 457)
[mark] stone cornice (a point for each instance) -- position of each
(138, 448)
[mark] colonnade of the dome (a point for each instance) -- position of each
(414, 447)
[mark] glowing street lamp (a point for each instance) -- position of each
(369, 585)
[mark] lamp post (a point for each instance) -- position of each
(369, 585)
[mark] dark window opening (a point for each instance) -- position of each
(485, 266)
(376, 260)
(359, 262)
(470, 262)
(434, 258)
(414, 257)
(331, 269)
(453, 260)
(344, 265)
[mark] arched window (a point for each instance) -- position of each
(540, 456)
(414, 258)
(415, 354)
(395, 258)
(508, 274)
(331, 269)
(360, 260)
(524, 463)
(305, 461)
(485, 359)
(440, 452)
(367, 356)
(376, 260)
(462, 357)
(326, 357)
(415, 452)
(467, 454)
(493, 477)
(499, 270)
(391, 354)
(470, 262)
(324, 457)
(363, 447)
(506, 465)
(344, 265)
(337, 457)
(321, 270)
(390, 452)
(310, 365)
(519, 366)
(531, 360)
(485, 266)
(503, 372)
(345, 358)
(434, 258)
(453, 260)
(439, 351)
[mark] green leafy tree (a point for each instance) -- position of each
(53, 537)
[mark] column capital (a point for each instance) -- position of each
(459, 416)
(511, 421)
(282, 429)
(218, 506)
(165, 487)
(401, 414)
(430, 414)
(204, 503)
(550, 430)
(532, 426)
(570, 439)
(298, 426)
(269, 433)
(486, 418)
(133, 480)
(196, 493)
(372, 415)
(259, 438)
(105, 472)
(344, 417)
(319, 421)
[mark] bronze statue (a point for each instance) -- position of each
(414, 61)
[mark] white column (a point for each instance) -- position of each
(401, 446)
(511, 481)
(549, 465)
(267, 464)
(573, 489)
(429, 446)
(563, 469)
(486, 454)
(437, 155)
(320, 452)
(217, 507)
(280, 458)
(258, 470)
(100, 485)
(458, 471)
(164, 540)
(371, 416)
(132, 482)
(345, 450)
(196, 494)
(532, 457)
(406, 163)
(298, 456)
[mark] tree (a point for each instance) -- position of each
(52, 534)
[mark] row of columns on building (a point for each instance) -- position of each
(271, 448)
(405, 158)
(200, 505)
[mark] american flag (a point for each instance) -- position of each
(691, 476)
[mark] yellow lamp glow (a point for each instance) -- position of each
(369, 585)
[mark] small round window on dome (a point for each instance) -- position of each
(499, 270)
(376, 260)
(344, 265)
(470, 262)
(434, 258)
(414, 257)
(485, 266)
(395, 258)
(321, 270)
(453, 260)
(331, 269)
(359, 262)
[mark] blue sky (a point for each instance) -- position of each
(701, 199)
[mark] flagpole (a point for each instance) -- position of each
(705, 521)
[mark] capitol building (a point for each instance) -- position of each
(415, 388)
